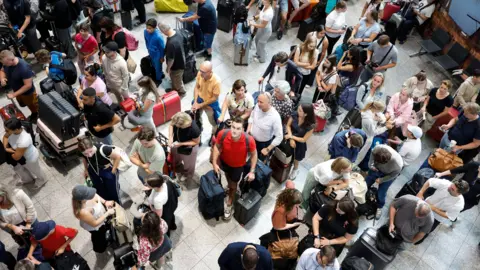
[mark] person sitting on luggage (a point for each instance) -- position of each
(100, 118)
(326, 79)
(446, 202)
(400, 108)
(205, 96)
(153, 241)
(468, 90)
(264, 30)
(365, 32)
(381, 55)
(92, 211)
(335, 25)
(231, 150)
(436, 105)
(281, 68)
(335, 225)
(147, 98)
(373, 90)
(385, 165)
(305, 57)
(147, 153)
(184, 138)
(91, 79)
(114, 66)
(328, 173)
(86, 45)
(47, 58)
(300, 128)
(19, 76)
(410, 217)
(281, 101)
(415, 16)
(347, 144)
(350, 67)
(156, 49)
(419, 85)
(370, 5)
(100, 164)
(238, 103)
(411, 146)
(53, 238)
(242, 255)
(323, 258)
(18, 144)
(265, 126)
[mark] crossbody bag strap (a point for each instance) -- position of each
(385, 56)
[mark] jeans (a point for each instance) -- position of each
(7, 257)
(445, 143)
(106, 140)
(407, 25)
(382, 188)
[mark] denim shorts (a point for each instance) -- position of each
(208, 40)
(283, 6)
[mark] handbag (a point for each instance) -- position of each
(131, 65)
(321, 110)
(358, 187)
(120, 220)
(385, 242)
(124, 163)
(284, 248)
(441, 160)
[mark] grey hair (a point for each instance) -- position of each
(24, 264)
(269, 97)
(423, 209)
(164, 27)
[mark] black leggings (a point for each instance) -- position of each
(331, 44)
(306, 79)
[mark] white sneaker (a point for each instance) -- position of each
(378, 214)
(228, 212)
(293, 174)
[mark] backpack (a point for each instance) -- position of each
(130, 40)
(356, 263)
(69, 71)
(125, 162)
(348, 97)
(369, 208)
(211, 196)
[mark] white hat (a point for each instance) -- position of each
(416, 131)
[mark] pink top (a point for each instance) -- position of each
(401, 112)
(99, 87)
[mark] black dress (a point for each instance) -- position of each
(298, 131)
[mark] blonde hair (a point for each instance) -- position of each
(447, 83)
(181, 120)
(340, 164)
(472, 107)
(304, 48)
(6, 54)
(374, 105)
(378, 74)
(77, 207)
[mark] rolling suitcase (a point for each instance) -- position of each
(194, 27)
(126, 17)
(306, 27)
(263, 174)
(320, 124)
(146, 66)
(347, 35)
(241, 55)
(365, 247)
(53, 43)
(9, 111)
(124, 257)
(388, 11)
(225, 11)
(59, 115)
(164, 110)
(280, 170)
(61, 147)
(247, 206)
(190, 72)
(67, 92)
(46, 85)
(211, 196)
(188, 38)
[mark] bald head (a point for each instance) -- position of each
(264, 101)
(206, 70)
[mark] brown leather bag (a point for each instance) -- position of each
(284, 248)
(442, 160)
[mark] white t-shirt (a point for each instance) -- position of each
(158, 199)
(278, 74)
(427, 12)
(266, 15)
(444, 201)
(323, 173)
(410, 150)
(335, 21)
(24, 140)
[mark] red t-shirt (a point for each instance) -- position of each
(56, 240)
(87, 46)
(234, 154)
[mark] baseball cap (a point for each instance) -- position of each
(82, 192)
(111, 46)
(41, 229)
(416, 131)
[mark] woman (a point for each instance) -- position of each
(321, 46)
(100, 163)
(239, 102)
(92, 79)
(365, 32)
(19, 148)
(326, 78)
(281, 100)
(349, 67)
(371, 91)
(152, 240)
(264, 30)
(335, 226)
(305, 58)
(148, 96)
(419, 86)
(156, 48)
(184, 138)
(371, 5)
(86, 45)
(347, 143)
(328, 173)
(95, 13)
(436, 105)
(113, 32)
(92, 211)
(400, 108)
(299, 129)
(336, 25)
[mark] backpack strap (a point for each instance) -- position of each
(366, 90)
(220, 143)
(103, 154)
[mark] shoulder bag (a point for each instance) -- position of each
(441, 160)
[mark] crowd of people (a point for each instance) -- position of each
(383, 138)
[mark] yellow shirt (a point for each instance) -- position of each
(208, 90)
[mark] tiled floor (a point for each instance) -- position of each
(199, 242)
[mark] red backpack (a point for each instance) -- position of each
(130, 40)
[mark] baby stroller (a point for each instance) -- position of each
(9, 40)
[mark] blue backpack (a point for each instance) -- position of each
(348, 97)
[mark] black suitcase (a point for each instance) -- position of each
(124, 257)
(188, 38)
(413, 186)
(146, 66)
(306, 26)
(126, 17)
(280, 170)
(190, 72)
(67, 92)
(47, 85)
(247, 206)
(365, 247)
(347, 35)
(225, 11)
(59, 115)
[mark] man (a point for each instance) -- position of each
(381, 55)
(347, 143)
(207, 19)
(410, 149)
(468, 90)
(175, 57)
(385, 165)
(26, 264)
(281, 68)
(147, 153)
(115, 70)
(99, 116)
(19, 76)
(63, 23)
(233, 146)
(245, 256)
(265, 125)
(53, 238)
(400, 107)
(447, 201)
(322, 259)
(205, 95)
(411, 218)
(20, 15)
(415, 16)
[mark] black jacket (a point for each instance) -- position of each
(293, 75)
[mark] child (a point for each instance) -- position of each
(47, 58)
(86, 45)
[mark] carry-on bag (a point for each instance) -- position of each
(124, 257)
(387, 242)
(194, 27)
(263, 174)
(67, 92)
(247, 205)
(188, 39)
(389, 10)
(60, 146)
(11, 111)
(46, 85)
(168, 105)
(306, 243)
(225, 11)
(306, 26)
(211, 196)
(413, 186)
(441, 160)
(356, 263)
(59, 115)
(190, 72)
(241, 54)
(280, 170)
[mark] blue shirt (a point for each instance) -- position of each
(231, 257)
(338, 146)
(55, 73)
(464, 131)
(16, 75)
(365, 31)
(208, 17)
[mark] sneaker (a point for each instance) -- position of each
(256, 59)
(279, 34)
(293, 174)
(378, 214)
(208, 57)
(228, 212)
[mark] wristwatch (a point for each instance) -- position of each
(317, 236)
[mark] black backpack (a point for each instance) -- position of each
(356, 263)
(69, 71)
(369, 208)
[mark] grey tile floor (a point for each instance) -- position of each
(199, 242)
